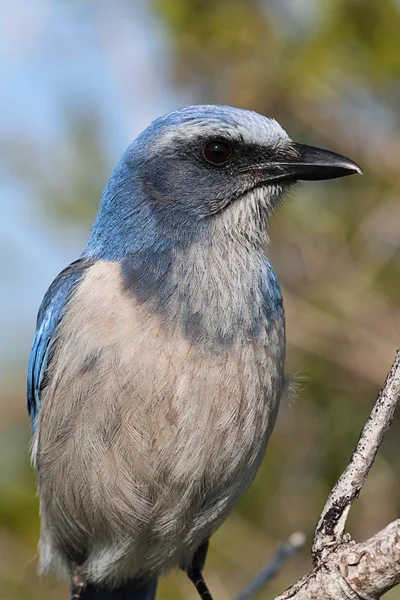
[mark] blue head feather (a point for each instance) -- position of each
(163, 193)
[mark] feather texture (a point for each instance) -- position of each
(158, 363)
(146, 440)
(49, 316)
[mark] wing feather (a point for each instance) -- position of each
(49, 316)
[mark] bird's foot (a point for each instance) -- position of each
(197, 579)
(194, 572)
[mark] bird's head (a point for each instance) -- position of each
(202, 164)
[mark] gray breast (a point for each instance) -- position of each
(221, 294)
(157, 433)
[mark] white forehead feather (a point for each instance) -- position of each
(216, 121)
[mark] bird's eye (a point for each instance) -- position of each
(217, 152)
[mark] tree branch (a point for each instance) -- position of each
(344, 569)
(363, 571)
(330, 529)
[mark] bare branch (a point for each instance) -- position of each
(330, 529)
(282, 554)
(342, 568)
(363, 571)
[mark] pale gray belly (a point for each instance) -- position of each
(145, 445)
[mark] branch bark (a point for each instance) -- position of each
(344, 569)
(363, 571)
(331, 524)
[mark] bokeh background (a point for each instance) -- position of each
(79, 80)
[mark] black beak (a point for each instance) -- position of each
(315, 163)
(306, 163)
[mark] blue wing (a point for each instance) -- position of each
(49, 316)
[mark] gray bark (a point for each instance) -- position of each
(344, 569)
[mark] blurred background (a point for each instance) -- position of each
(79, 80)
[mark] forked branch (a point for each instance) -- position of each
(344, 569)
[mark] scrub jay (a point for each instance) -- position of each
(158, 362)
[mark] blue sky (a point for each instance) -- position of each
(54, 54)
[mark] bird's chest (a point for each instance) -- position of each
(161, 379)
(212, 348)
(208, 369)
(203, 420)
(188, 400)
(160, 427)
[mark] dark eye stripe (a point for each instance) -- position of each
(217, 152)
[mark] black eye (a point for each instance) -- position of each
(217, 152)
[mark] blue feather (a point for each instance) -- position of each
(49, 316)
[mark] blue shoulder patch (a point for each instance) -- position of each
(50, 314)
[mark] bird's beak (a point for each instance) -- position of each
(311, 163)
(308, 163)
(315, 163)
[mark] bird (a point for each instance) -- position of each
(157, 366)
